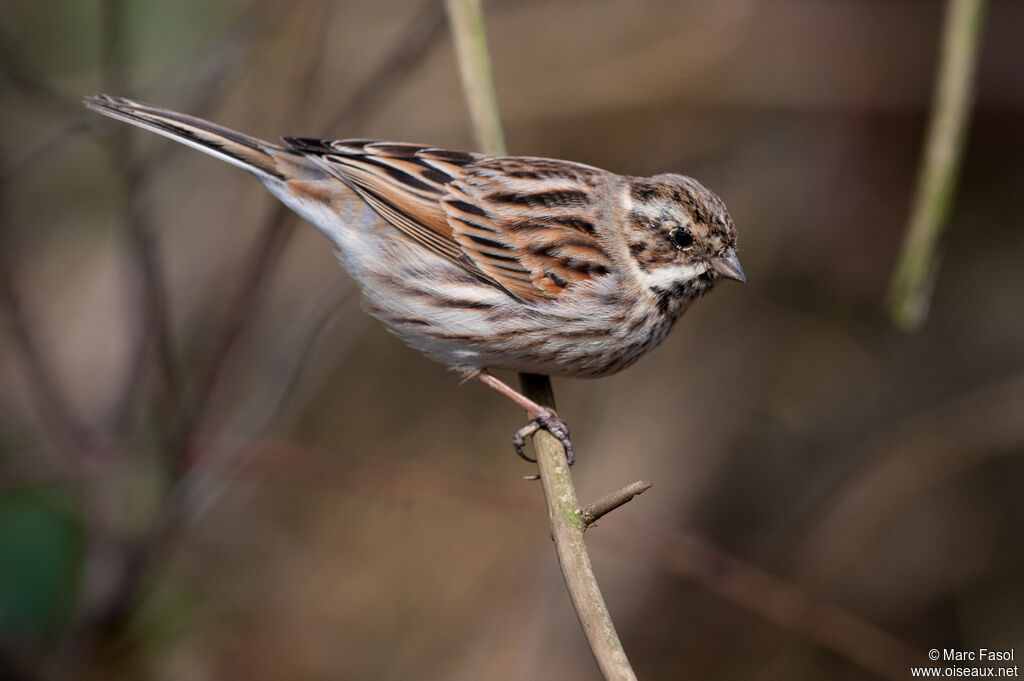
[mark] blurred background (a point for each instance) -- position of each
(213, 465)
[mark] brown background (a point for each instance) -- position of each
(350, 510)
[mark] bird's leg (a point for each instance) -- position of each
(542, 417)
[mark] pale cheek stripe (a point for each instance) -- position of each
(665, 277)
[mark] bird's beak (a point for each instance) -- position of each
(728, 266)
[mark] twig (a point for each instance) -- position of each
(911, 286)
(610, 502)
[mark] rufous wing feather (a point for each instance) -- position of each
(529, 223)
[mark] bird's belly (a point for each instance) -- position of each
(511, 337)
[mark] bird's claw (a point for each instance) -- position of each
(551, 422)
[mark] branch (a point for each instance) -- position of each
(911, 286)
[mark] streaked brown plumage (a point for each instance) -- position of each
(529, 264)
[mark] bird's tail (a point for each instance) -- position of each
(258, 157)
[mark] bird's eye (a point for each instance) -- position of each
(681, 238)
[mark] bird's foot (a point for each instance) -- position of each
(551, 422)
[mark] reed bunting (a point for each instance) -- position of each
(528, 264)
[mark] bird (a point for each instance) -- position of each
(480, 262)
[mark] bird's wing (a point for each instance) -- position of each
(526, 225)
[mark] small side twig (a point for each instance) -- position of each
(911, 286)
(610, 502)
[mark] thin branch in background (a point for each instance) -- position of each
(261, 264)
(152, 325)
(204, 72)
(677, 552)
(902, 465)
(911, 287)
(45, 148)
(152, 308)
(467, 27)
(262, 261)
(95, 607)
(781, 602)
(50, 398)
(423, 32)
(26, 79)
(107, 619)
(205, 76)
(264, 258)
(192, 495)
(209, 477)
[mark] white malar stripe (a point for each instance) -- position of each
(625, 199)
(665, 276)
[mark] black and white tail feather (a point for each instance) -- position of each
(252, 154)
